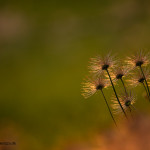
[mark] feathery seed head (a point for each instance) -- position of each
(92, 85)
(120, 71)
(137, 77)
(98, 64)
(139, 59)
(126, 101)
(141, 80)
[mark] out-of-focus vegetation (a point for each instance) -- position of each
(44, 52)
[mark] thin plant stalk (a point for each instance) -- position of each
(116, 93)
(133, 107)
(124, 86)
(127, 94)
(109, 108)
(131, 112)
(145, 80)
(146, 91)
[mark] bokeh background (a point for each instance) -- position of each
(45, 47)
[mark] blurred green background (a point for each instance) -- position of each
(45, 47)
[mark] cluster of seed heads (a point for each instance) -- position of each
(106, 71)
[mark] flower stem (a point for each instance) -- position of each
(109, 108)
(145, 80)
(124, 86)
(134, 107)
(146, 91)
(131, 112)
(116, 94)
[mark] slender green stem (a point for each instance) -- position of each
(108, 108)
(145, 80)
(134, 107)
(131, 112)
(124, 86)
(116, 93)
(146, 91)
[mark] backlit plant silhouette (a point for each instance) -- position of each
(107, 71)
